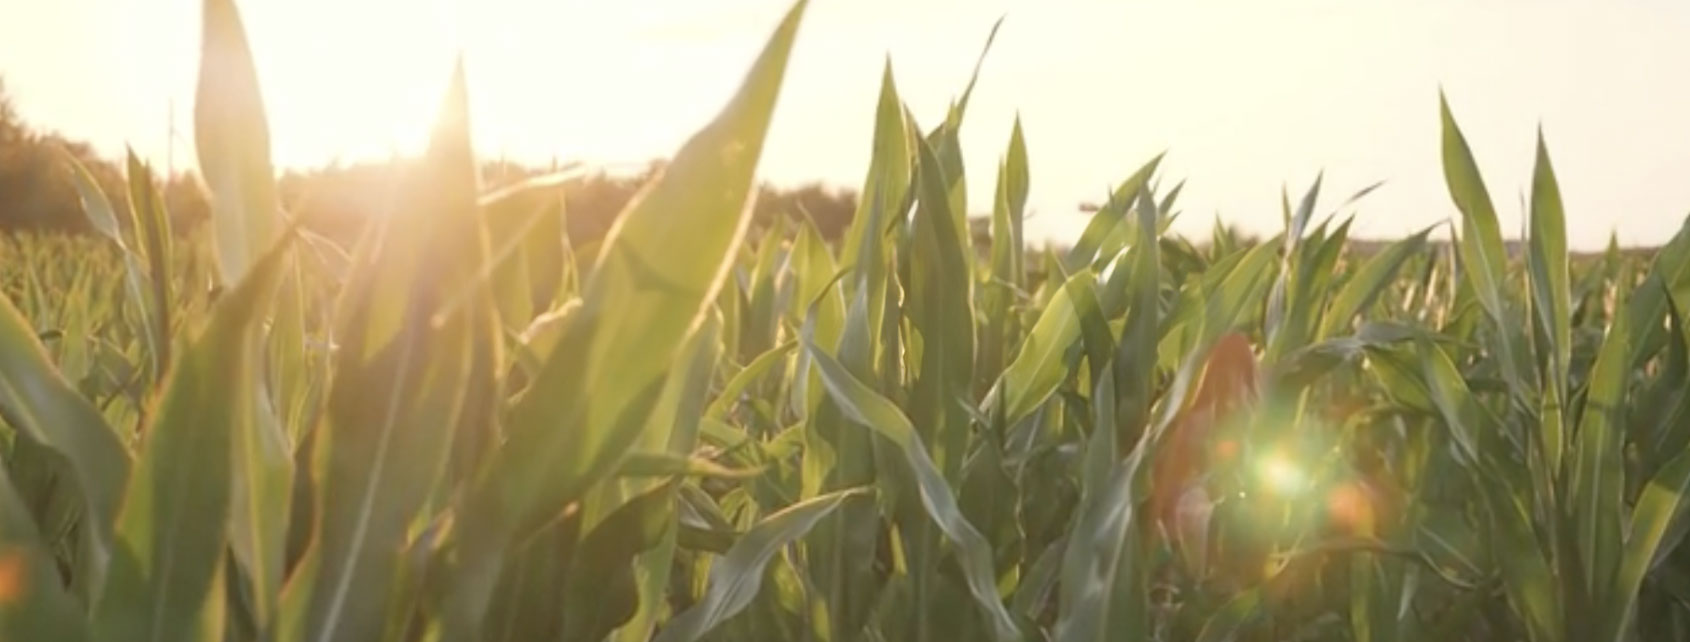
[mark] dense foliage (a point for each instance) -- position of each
(470, 425)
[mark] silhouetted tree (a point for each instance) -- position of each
(338, 200)
(830, 209)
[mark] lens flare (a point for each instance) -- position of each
(11, 577)
(1351, 507)
(1282, 476)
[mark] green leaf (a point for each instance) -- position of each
(839, 455)
(232, 138)
(1305, 365)
(757, 369)
(95, 205)
(1546, 262)
(1233, 618)
(1598, 463)
(261, 478)
(890, 172)
(35, 605)
(1369, 280)
(946, 141)
(600, 592)
(1451, 545)
(1104, 594)
(1315, 263)
(1661, 501)
(1466, 419)
(1664, 407)
(1004, 281)
(45, 409)
(1669, 272)
(1482, 256)
(658, 272)
(1136, 354)
(1041, 364)
(655, 464)
(1017, 180)
(1229, 288)
(152, 225)
(1103, 449)
(1525, 569)
(165, 580)
(814, 270)
(99, 211)
(940, 306)
(1274, 324)
(1039, 581)
(674, 426)
(737, 577)
(408, 373)
(510, 229)
(1085, 249)
(867, 407)
(1166, 205)
(980, 61)
(655, 277)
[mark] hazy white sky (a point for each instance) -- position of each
(1245, 96)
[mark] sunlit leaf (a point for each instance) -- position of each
(165, 579)
(868, 408)
(33, 603)
(737, 577)
(232, 136)
(661, 266)
(43, 408)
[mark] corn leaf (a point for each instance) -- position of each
(36, 604)
(403, 376)
(1041, 364)
(1598, 465)
(165, 579)
(736, 578)
(232, 137)
(655, 275)
(43, 408)
(601, 589)
(867, 407)
(1546, 261)
(1085, 249)
(1103, 594)
(1662, 500)
(1369, 281)
(1481, 251)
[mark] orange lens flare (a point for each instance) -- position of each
(1351, 508)
(11, 577)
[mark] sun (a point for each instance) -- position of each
(1282, 475)
(351, 80)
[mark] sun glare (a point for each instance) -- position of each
(363, 80)
(351, 80)
(1281, 475)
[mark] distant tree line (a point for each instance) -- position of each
(37, 193)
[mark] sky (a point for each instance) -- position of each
(1246, 98)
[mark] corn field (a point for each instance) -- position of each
(468, 428)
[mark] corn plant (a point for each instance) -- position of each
(468, 427)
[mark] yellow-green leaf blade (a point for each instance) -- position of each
(232, 137)
(36, 606)
(165, 580)
(1041, 364)
(866, 407)
(38, 403)
(738, 575)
